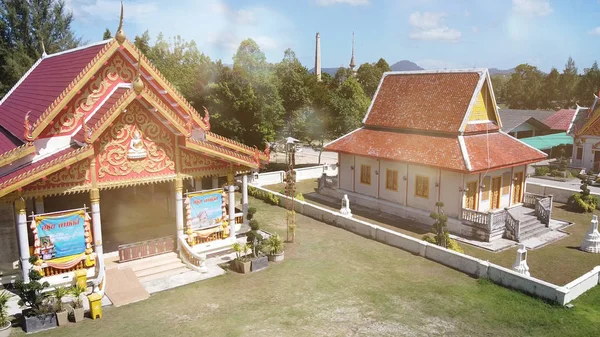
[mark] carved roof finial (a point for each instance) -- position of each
(43, 48)
(206, 118)
(28, 128)
(138, 84)
(120, 34)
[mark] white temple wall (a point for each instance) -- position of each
(413, 200)
(371, 188)
(450, 193)
(587, 159)
(398, 196)
(346, 176)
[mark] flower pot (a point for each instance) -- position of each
(78, 314)
(276, 257)
(260, 263)
(62, 317)
(5, 331)
(39, 323)
(240, 266)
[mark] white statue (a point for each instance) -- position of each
(136, 146)
(520, 264)
(591, 241)
(345, 210)
(203, 268)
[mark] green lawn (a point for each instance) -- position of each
(560, 262)
(335, 283)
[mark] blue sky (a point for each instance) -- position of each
(432, 33)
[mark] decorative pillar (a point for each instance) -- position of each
(245, 197)
(230, 178)
(179, 206)
(20, 207)
(591, 241)
(198, 184)
(520, 264)
(97, 231)
(215, 182)
(345, 210)
(231, 190)
(39, 205)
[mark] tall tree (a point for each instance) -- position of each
(107, 34)
(369, 75)
(143, 43)
(588, 85)
(24, 25)
(568, 83)
(349, 105)
(524, 87)
(550, 95)
(499, 86)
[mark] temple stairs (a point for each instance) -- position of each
(157, 267)
(530, 224)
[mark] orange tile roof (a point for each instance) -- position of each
(428, 101)
(442, 152)
(497, 150)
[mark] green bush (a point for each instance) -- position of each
(300, 197)
(582, 204)
(542, 170)
(557, 173)
(273, 199)
(254, 225)
(251, 212)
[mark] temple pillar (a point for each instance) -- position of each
(231, 190)
(20, 207)
(245, 197)
(39, 205)
(215, 181)
(97, 232)
(179, 207)
(198, 184)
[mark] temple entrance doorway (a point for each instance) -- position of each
(136, 214)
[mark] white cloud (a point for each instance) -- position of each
(430, 26)
(324, 3)
(426, 20)
(216, 27)
(595, 31)
(475, 29)
(532, 7)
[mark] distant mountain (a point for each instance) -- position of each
(330, 71)
(405, 65)
(496, 71)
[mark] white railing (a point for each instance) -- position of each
(530, 199)
(188, 256)
(513, 227)
(476, 217)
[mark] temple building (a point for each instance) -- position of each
(435, 136)
(97, 130)
(585, 130)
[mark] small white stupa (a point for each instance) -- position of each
(520, 264)
(591, 241)
(345, 210)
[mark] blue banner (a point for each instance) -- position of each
(61, 235)
(206, 209)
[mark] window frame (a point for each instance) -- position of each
(366, 168)
(578, 152)
(395, 175)
(426, 190)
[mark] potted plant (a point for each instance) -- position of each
(62, 316)
(38, 314)
(241, 264)
(251, 212)
(4, 321)
(274, 248)
(78, 310)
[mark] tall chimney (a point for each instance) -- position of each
(318, 58)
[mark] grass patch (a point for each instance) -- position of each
(336, 283)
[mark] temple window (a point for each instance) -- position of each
(486, 188)
(391, 180)
(365, 174)
(579, 153)
(422, 187)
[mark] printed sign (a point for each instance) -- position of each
(61, 235)
(206, 209)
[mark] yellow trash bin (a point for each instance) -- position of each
(95, 305)
(81, 278)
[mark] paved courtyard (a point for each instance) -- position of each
(335, 283)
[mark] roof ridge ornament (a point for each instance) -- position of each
(206, 118)
(120, 34)
(87, 132)
(138, 84)
(28, 127)
(43, 47)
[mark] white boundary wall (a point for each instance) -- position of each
(304, 173)
(461, 262)
(559, 194)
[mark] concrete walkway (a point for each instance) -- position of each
(573, 184)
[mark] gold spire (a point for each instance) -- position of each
(120, 34)
(138, 84)
(352, 64)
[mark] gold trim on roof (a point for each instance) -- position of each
(50, 167)
(211, 149)
(111, 115)
(172, 117)
(77, 84)
(16, 153)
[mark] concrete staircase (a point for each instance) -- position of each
(530, 225)
(157, 267)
